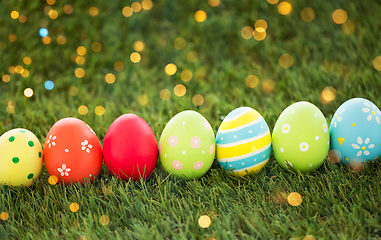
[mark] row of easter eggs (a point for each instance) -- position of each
(187, 147)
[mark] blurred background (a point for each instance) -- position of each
(96, 60)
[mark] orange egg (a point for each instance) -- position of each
(72, 151)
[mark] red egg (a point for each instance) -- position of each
(72, 151)
(130, 149)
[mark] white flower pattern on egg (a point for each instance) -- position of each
(51, 141)
(371, 112)
(86, 146)
(337, 117)
(64, 170)
(362, 147)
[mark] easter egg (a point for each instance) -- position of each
(72, 151)
(187, 145)
(130, 148)
(300, 137)
(20, 158)
(356, 132)
(243, 142)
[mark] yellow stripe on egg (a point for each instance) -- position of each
(241, 120)
(243, 147)
(253, 169)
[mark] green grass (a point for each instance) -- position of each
(337, 202)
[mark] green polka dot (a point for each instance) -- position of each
(12, 138)
(15, 160)
(39, 154)
(23, 130)
(31, 143)
(30, 176)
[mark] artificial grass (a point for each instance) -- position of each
(338, 203)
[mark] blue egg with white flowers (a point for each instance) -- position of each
(355, 132)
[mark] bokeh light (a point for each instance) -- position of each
(284, 8)
(12, 37)
(136, 7)
(200, 16)
(170, 69)
(138, 46)
(273, 1)
(28, 92)
(49, 85)
(127, 11)
(51, 2)
(68, 9)
(333, 156)
(165, 94)
(110, 78)
(81, 50)
(100, 110)
(6, 78)
(247, 32)
(214, 3)
(74, 207)
(104, 220)
(47, 9)
(197, 100)
(339, 16)
(73, 91)
(4, 216)
(180, 90)
(260, 25)
(61, 40)
(294, 199)
(10, 109)
(43, 32)
(80, 60)
(12, 69)
(147, 4)
(328, 95)
(377, 63)
(19, 69)
(186, 75)
(192, 56)
(259, 35)
(135, 57)
(309, 237)
(79, 72)
(53, 180)
(27, 60)
(46, 40)
(252, 81)
(25, 73)
(15, 14)
(180, 43)
(348, 27)
(286, 60)
(93, 11)
(142, 100)
(307, 14)
(83, 110)
(53, 14)
(96, 46)
(268, 85)
(204, 221)
(119, 66)
(22, 18)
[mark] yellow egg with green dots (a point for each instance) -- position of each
(20, 158)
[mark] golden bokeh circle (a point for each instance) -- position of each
(307, 14)
(294, 199)
(180, 43)
(135, 57)
(328, 95)
(147, 4)
(200, 16)
(68, 9)
(197, 100)
(74, 207)
(15, 14)
(61, 40)
(127, 11)
(27, 60)
(53, 14)
(259, 34)
(46, 40)
(204, 221)
(28, 92)
(268, 85)
(143, 100)
(252, 81)
(339, 16)
(81, 50)
(286, 60)
(80, 60)
(214, 3)
(377, 63)
(247, 32)
(284, 8)
(180, 90)
(138, 46)
(110, 78)
(100, 110)
(192, 56)
(96, 46)
(104, 220)
(83, 110)
(170, 69)
(79, 72)
(309, 237)
(53, 180)
(119, 66)
(4, 216)
(93, 11)
(136, 6)
(73, 91)
(273, 1)
(6, 78)
(165, 94)
(22, 18)
(260, 25)
(186, 75)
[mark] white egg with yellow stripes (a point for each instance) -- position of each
(243, 142)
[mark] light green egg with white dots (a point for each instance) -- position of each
(20, 158)
(301, 137)
(187, 145)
